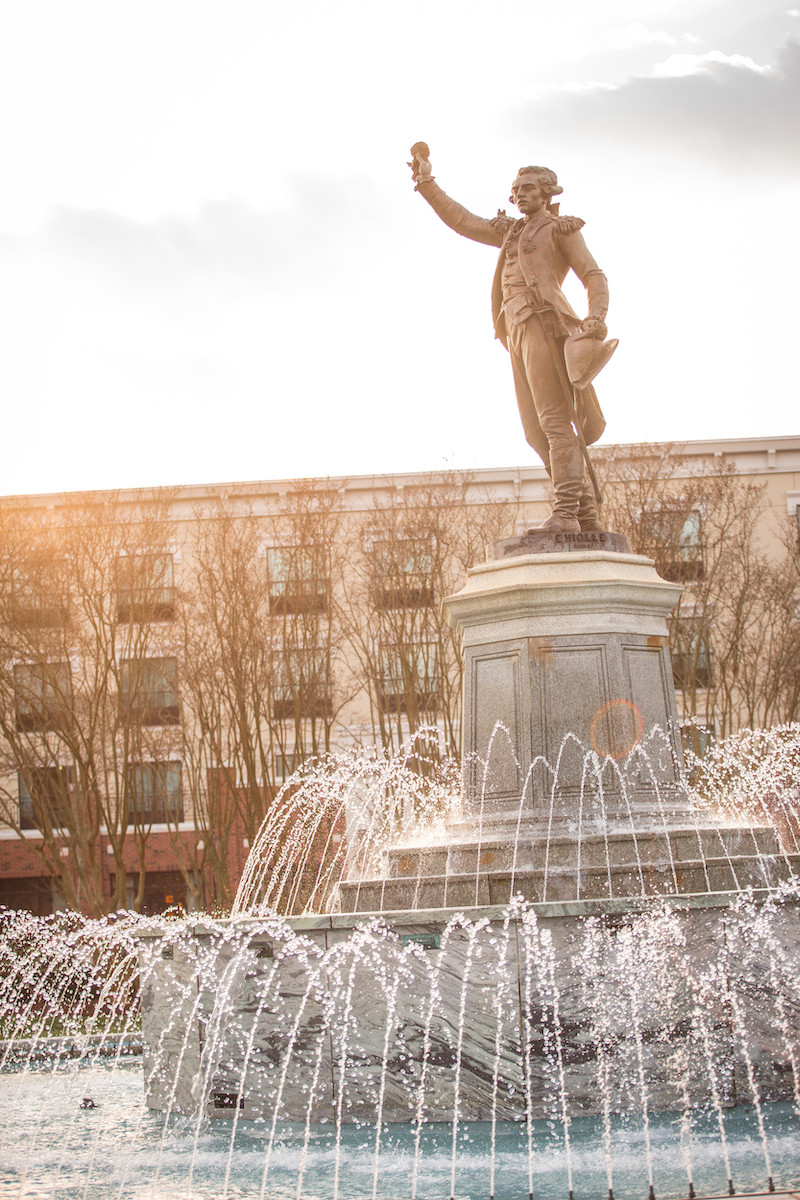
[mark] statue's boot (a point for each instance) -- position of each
(566, 471)
(587, 511)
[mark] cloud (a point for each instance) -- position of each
(722, 106)
(226, 242)
(679, 65)
(636, 33)
(624, 39)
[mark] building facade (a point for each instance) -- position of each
(169, 658)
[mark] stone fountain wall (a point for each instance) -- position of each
(313, 1017)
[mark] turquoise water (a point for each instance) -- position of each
(51, 1147)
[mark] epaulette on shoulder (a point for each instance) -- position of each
(568, 224)
(502, 221)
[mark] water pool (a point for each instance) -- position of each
(52, 1147)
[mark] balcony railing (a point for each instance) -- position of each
(38, 610)
(139, 605)
(151, 708)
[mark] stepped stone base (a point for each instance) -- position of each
(651, 863)
(493, 862)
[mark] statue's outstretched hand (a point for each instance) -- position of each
(420, 163)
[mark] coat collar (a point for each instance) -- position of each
(521, 226)
(543, 218)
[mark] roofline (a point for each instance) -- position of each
(707, 448)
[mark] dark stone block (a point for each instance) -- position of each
(535, 541)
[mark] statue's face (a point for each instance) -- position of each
(527, 194)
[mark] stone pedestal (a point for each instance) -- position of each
(565, 651)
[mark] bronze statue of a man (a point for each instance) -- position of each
(554, 354)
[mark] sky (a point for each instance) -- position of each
(214, 266)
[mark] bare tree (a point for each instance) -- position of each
(88, 697)
(734, 638)
(769, 662)
(260, 681)
(403, 557)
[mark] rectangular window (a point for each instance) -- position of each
(34, 895)
(402, 572)
(45, 797)
(145, 588)
(154, 792)
(691, 665)
(162, 890)
(697, 739)
(36, 600)
(409, 677)
(302, 683)
(285, 765)
(299, 579)
(43, 695)
(672, 536)
(149, 691)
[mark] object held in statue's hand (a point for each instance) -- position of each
(419, 161)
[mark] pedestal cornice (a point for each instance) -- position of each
(563, 593)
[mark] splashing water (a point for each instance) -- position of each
(625, 1042)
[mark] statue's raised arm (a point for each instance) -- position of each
(555, 354)
(478, 229)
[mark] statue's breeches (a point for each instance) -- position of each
(544, 393)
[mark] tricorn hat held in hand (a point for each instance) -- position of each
(586, 356)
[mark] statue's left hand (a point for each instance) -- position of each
(594, 327)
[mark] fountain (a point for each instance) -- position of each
(494, 913)
(544, 1047)
(572, 975)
